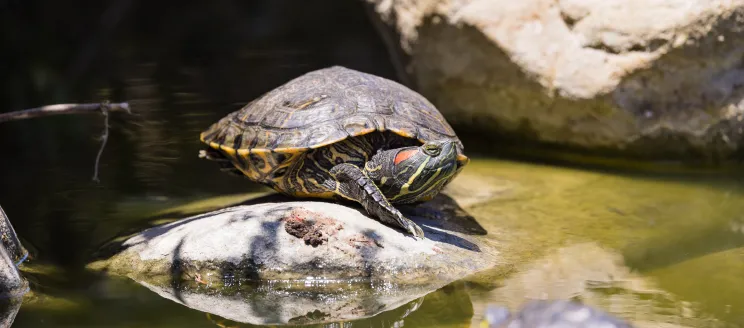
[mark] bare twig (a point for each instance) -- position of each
(105, 108)
(63, 109)
(104, 139)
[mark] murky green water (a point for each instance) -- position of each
(662, 250)
(655, 250)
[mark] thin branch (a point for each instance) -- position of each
(63, 109)
(104, 138)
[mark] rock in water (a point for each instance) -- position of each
(12, 284)
(552, 314)
(300, 261)
(645, 79)
(299, 240)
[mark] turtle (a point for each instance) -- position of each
(341, 134)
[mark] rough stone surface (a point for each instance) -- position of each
(305, 240)
(648, 79)
(12, 284)
(9, 239)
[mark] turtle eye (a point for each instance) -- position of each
(432, 149)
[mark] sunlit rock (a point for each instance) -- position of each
(326, 259)
(301, 240)
(653, 79)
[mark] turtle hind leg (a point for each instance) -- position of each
(353, 184)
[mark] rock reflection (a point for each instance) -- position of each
(293, 303)
(597, 277)
(449, 306)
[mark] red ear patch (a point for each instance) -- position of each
(404, 155)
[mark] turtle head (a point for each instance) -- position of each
(411, 174)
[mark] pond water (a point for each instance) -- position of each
(662, 249)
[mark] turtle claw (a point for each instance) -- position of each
(416, 231)
(411, 227)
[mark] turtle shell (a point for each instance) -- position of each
(323, 107)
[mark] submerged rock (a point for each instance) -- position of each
(594, 276)
(302, 240)
(649, 79)
(546, 314)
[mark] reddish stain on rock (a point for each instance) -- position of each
(314, 228)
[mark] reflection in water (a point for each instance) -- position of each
(279, 303)
(595, 276)
(446, 307)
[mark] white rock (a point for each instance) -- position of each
(253, 242)
(653, 79)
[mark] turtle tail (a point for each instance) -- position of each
(226, 165)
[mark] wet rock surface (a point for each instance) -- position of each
(12, 253)
(300, 240)
(644, 79)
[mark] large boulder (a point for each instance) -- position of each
(658, 79)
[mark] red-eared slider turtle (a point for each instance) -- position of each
(339, 133)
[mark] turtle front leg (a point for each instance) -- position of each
(353, 184)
